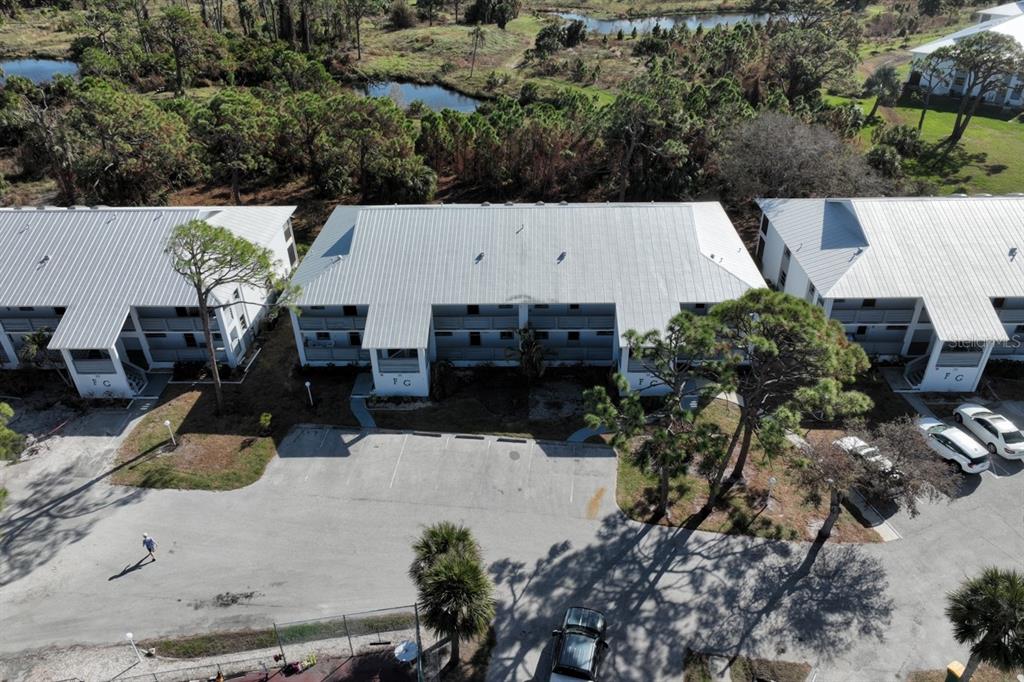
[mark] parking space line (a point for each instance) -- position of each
(572, 488)
(399, 460)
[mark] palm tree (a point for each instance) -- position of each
(885, 85)
(457, 598)
(987, 612)
(437, 540)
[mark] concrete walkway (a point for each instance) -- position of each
(361, 390)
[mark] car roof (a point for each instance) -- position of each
(927, 423)
(1002, 424)
(969, 445)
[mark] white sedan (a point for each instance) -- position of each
(999, 434)
(955, 445)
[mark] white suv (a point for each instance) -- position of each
(953, 444)
(999, 434)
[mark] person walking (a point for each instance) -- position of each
(149, 544)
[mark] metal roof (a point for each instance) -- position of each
(1010, 9)
(1012, 26)
(955, 253)
(96, 262)
(646, 259)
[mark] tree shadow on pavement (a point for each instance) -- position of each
(664, 590)
(57, 509)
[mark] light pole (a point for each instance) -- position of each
(131, 640)
(309, 393)
(167, 423)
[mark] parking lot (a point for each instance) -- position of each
(548, 478)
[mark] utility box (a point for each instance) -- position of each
(953, 671)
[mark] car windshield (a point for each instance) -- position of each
(576, 658)
(1013, 436)
(584, 618)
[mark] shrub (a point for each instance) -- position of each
(401, 15)
(265, 420)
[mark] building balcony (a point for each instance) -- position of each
(172, 355)
(573, 322)
(171, 324)
(475, 322)
(307, 322)
(348, 354)
(29, 324)
(874, 316)
(398, 365)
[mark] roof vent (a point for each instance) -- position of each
(563, 203)
(486, 203)
(479, 257)
(1013, 252)
(43, 261)
(540, 203)
(561, 257)
(509, 203)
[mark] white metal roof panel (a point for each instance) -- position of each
(96, 263)
(1013, 27)
(644, 258)
(1010, 9)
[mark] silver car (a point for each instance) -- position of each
(1000, 435)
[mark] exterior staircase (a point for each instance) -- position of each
(136, 377)
(914, 371)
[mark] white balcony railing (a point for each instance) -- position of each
(171, 324)
(579, 322)
(874, 316)
(475, 322)
(396, 365)
(334, 323)
(345, 354)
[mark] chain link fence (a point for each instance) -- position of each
(337, 643)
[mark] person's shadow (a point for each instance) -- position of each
(132, 567)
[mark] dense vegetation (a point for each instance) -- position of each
(716, 113)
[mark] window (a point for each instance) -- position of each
(868, 303)
(474, 338)
(59, 311)
(958, 82)
(759, 254)
(506, 336)
(1019, 329)
(242, 323)
(26, 308)
(764, 224)
(786, 253)
(988, 427)
(574, 306)
(699, 306)
(156, 335)
(216, 337)
(181, 312)
(811, 292)
(190, 340)
(896, 327)
(504, 307)
(292, 256)
(998, 302)
(442, 333)
(540, 336)
(574, 337)
(782, 279)
(288, 231)
(323, 336)
(472, 310)
(604, 332)
(541, 306)
(349, 311)
(400, 353)
(861, 331)
(236, 294)
(316, 307)
(355, 339)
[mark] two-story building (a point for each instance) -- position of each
(938, 282)
(1005, 20)
(395, 288)
(99, 284)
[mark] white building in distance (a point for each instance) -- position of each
(1005, 19)
(395, 288)
(99, 280)
(936, 281)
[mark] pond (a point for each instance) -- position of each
(436, 97)
(37, 70)
(647, 24)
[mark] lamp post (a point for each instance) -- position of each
(131, 640)
(309, 393)
(167, 423)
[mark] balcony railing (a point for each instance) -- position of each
(1012, 315)
(183, 355)
(588, 322)
(29, 324)
(171, 324)
(346, 355)
(874, 316)
(98, 366)
(959, 359)
(342, 323)
(475, 322)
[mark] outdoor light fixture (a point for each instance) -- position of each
(167, 423)
(309, 393)
(131, 640)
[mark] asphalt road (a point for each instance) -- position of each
(327, 530)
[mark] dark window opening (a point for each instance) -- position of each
(59, 311)
(474, 338)
(190, 340)
(869, 303)
(574, 337)
(181, 312)
(349, 310)
(998, 302)
(541, 306)
(292, 256)
(861, 331)
(472, 310)
(323, 336)
(574, 306)
(26, 308)
(506, 336)
(355, 339)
